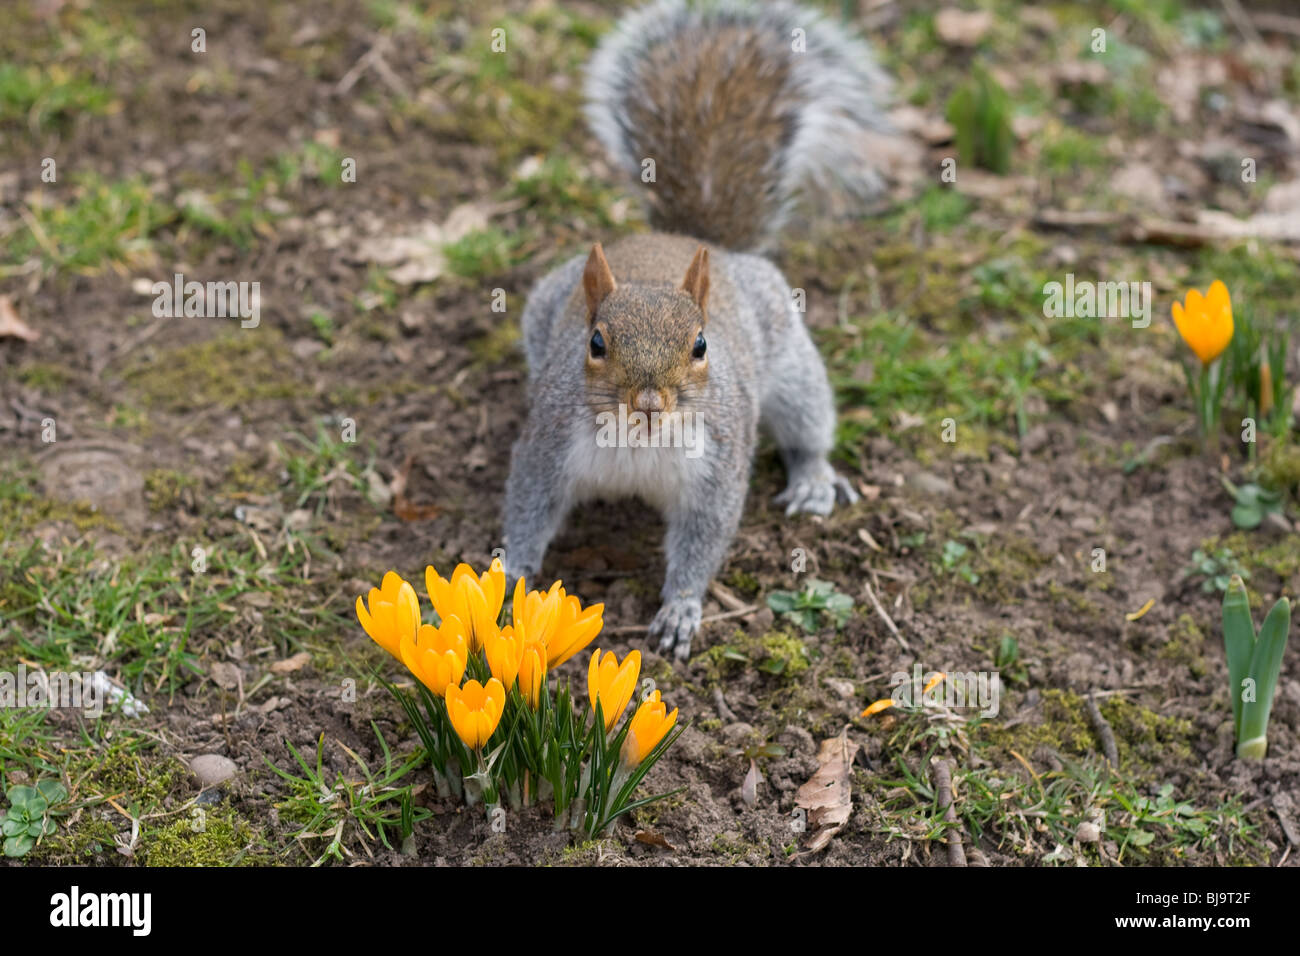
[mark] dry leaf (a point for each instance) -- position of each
(291, 664)
(653, 838)
(962, 28)
(826, 796)
(749, 789)
(226, 676)
(13, 326)
(403, 507)
(417, 256)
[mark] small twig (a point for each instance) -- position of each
(884, 616)
(1242, 22)
(941, 771)
(711, 619)
(1103, 731)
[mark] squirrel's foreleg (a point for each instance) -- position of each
(700, 529)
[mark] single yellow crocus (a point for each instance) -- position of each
(475, 710)
(475, 599)
(612, 683)
(394, 613)
(1205, 322)
(437, 655)
(649, 725)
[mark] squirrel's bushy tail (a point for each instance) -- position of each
(742, 106)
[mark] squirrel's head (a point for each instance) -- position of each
(646, 345)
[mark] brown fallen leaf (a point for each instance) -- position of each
(826, 796)
(226, 676)
(403, 507)
(653, 838)
(11, 325)
(291, 664)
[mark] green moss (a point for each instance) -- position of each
(218, 837)
(80, 844)
(1280, 467)
(1279, 557)
(1186, 645)
(243, 476)
(778, 653)
(22, 508)
(164, 489)
(1145, 740)
(501, 342)
(226, 372)
(44, 376)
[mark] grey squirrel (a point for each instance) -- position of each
(743, 109)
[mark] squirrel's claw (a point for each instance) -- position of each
(675, 625)
(816, 494)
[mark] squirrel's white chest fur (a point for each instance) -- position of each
(658, 476)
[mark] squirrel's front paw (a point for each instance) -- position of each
(675, 625)
(817, 492)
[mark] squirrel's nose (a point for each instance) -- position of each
(648, 400)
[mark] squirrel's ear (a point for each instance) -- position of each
(696, 282)
(597, 280)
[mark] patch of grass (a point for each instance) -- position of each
(519, 100)
(349, 812)
(104, 223)
(980, 112)
(481, 254)
(314, 465)
(39, 97)
(942, 207)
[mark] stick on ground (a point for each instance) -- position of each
(1104, 732)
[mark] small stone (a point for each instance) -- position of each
(737, 733)
(1088, 832)
(929, 483)
(212, 769)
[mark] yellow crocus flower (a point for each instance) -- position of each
(532, 671)
(475, 710)
(394, 613)
(1205, 322)
(612, 683)
(649, 725)
(474, 599)
(504, 651)
(437, 656)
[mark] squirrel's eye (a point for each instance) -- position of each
(700, 347)
(597, 344)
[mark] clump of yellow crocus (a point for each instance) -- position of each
(474, 599)
(475, 710)
(394, 613)
(437, 655)
(612, 683)
(1205, 322)
(649, 725)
